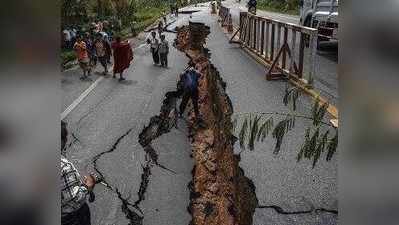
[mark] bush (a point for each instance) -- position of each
(67, 56)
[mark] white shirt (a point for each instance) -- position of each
(154, 42)
(67, 34)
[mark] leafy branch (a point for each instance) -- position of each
(254, 127)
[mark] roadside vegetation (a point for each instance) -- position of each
(128, 17)
(282, 6)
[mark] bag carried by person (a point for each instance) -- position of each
(190, 80)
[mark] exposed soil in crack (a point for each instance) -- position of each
(219, 192)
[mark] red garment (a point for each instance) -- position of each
(123, 55)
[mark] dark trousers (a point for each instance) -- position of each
(103, 62)
(187, 95)
(164, 59)
(80, 217)
(155, 55)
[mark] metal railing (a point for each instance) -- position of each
(281, 45)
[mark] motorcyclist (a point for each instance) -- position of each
(252, 6)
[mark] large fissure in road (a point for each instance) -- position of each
(220, 191)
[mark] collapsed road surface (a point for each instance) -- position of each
(157, 181)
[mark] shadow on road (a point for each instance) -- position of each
(328, 50)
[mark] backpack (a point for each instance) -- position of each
(190, 80)
(252, 3)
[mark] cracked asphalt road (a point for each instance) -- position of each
(113, 108)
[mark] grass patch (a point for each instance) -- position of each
(67, 56)
(144, 17)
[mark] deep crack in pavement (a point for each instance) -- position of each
(159, 125)
(131, 215)
(280, 210)
(98, 156)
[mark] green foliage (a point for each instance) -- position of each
(332, 146)
(243, 133)
(67, 56)
(285, 6)
(305, 145)
(255, 128)
(265, 128)
(320, 148)
(291, 96)
(318, 112)
(280, 130)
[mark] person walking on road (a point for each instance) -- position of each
(252, 6)
(176, 10)
(67, 38)
(83, 56)
(91, 51)
(189, 86)
(103, 51)
(164, 51)
(123, 55)
(164, 19)
(160, 28)
(154, 42)
(74, 190)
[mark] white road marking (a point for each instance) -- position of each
(140, 46)
(80, 98)
(77, 101)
